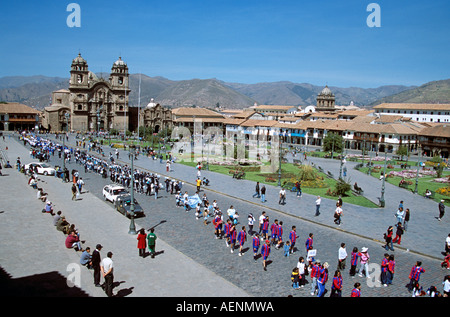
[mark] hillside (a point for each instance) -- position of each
(432, 92)
(203, 93)
(288, 93)
(36, 91)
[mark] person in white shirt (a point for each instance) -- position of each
(282, 200)
(338, 214)
(106, 267)
(301, 270)
(318, 201)
(261, 220)
(342, 256)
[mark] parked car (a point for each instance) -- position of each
(110, 192)
(123, 205)
(42, 168)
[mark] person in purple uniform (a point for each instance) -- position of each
(274, 231)
(414, 276)
(322, 279)
(354, 261)
(227, 230)
(265, 252)
(384, 269)
(255, 245)
(265, 229)
(242, 236)
(280, 235)
(232, 237)
(293, 237)
(336, 287)
(309, 242)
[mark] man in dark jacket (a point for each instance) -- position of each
(96, 260)
(441, 210)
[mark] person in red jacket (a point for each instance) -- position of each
(142, 242)
(73, 241)
(356, 291)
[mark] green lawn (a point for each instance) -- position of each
(289, 172)
(425, 182)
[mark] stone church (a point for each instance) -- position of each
(93, 104)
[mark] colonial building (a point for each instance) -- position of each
(185, 117)
(94, 104)
(420, 112)
(56, 117)
(16, 116)
(156, 117)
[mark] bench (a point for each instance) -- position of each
(238, 175)
(357, 190)
(431, 196)
(330, 175)
(297, 161)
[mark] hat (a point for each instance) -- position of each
(364, 249)
(325, 265)
(99, 246)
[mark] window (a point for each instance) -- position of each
(80, 107)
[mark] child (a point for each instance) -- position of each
(265, 229)
(301, 271)
(232, 238)
(227, 231)
(217, 222)
(280, 235)
(265, 252)
(398, 233)
(295, 278)
(287, 248)
(251, 221)
(293, 237)
(274, 231)
(255, 245)
(356, 291)
(354, 262)
(242, 236)
(391, 269)
(197, 211)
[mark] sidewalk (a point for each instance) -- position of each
(31, 247)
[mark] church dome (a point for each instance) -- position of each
(120, 62)
(326, 92)
(151, 104)
(79, 60)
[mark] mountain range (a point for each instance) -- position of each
(36, 91)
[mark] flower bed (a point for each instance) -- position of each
(411, 173)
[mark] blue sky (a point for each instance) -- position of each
(247, 41)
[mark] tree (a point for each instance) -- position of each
(333, 142)
(402, 151)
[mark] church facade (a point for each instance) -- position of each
(92, 103)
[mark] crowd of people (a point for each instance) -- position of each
(236, 235)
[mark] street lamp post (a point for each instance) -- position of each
(417, 173)
(66, 119)
(132, 229)
(279, 158)
(382, 202)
